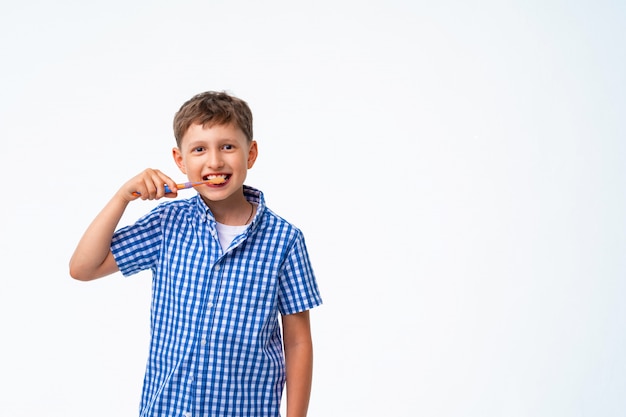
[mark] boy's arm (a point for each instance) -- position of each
(92, 257)
(299, 362)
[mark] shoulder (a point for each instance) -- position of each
(168, 210)
(191, 204)
(177, 205)
(276, 219)
(278, 228)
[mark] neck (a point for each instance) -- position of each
(234, 213)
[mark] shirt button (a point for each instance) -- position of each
(209, 304)
(203, 341)
(187, 414)
(217, 268)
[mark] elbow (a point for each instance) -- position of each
(83, 270)
(79, 273)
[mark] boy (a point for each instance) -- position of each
(223, 265)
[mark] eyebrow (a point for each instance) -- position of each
(202, 142)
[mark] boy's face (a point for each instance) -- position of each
(221, 153)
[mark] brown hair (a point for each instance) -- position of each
(213, 108)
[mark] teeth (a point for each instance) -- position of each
(216, 179)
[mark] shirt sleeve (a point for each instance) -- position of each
(298, 290)
(136, 247)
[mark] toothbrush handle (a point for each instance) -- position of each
(184, 185)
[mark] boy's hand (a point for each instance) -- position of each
(148, 185)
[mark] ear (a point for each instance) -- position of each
(178, 159)
(252, 154)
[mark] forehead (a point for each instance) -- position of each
(198, 132)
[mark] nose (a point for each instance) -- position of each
(214, 159)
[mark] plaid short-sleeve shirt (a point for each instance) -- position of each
(216, 345)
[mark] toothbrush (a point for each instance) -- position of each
(180, 186)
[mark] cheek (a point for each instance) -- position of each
(192, 164)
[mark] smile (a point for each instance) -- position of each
(216, 179)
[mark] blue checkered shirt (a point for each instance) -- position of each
(216, 346)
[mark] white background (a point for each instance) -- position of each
(457, 167)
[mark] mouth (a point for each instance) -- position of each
(216, 178)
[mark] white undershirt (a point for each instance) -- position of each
(227, 233)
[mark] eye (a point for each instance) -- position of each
(198, 149)
(228, 147)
